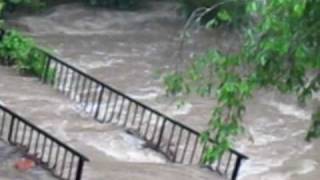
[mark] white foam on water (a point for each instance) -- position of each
(265, 139)
(276, 176)
(152, 49)
(99, 64)
(260, 165)
(299, 132)
(44, 26)
(101, 53)
(122, 146)
(93, 24)
(263, 122)
(58, 129)
(57, 51)
(305, 149)
(291, 110)
(264, 164)
(121, 54)
(306, 166)
(262, 158)
(174, 109)
(147, 93)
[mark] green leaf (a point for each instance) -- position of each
(224, 15)
(252, 7)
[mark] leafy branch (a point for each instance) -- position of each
(281, 48)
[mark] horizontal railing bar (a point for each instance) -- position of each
(58, 142)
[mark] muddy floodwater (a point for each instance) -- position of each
(127, 49)
(8, 157)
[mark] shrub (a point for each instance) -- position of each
(15, 49)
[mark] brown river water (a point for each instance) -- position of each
(126, 49)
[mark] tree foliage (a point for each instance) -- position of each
(281, 50)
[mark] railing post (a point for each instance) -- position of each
(11, 130)
(46, 70)
(236, 168)
(99, 103)
(161, 134)
(79, 169)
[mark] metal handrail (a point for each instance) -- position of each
(60, 159)
(86, 89)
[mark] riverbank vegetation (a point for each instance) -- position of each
(16, 49)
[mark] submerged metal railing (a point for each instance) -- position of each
(179, 143)
(57, 157)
